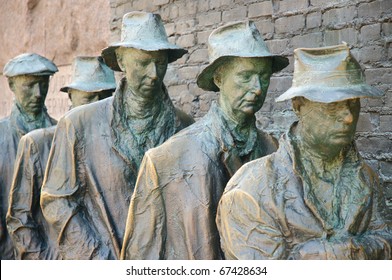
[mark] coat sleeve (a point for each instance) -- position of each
(247, 231)
(62, 196)
(144, 233)
(369, 239)
(24, 202)
(376, 242)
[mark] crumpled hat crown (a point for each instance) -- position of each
(29, 64)
(91, 74)
(240, 39)
(143, 31)
(328, 74)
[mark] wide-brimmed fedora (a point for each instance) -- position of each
(328, 74)
(143, 31)
(240, 39)
(29, 64)
(91, 74)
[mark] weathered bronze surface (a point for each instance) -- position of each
(172, 211)
(315, 198)
(28, 77)
(97, 149)
(92, 80)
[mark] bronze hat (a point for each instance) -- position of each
(240, 39)
(29, 64)
(143, 31)
(91, 74)
(328, 74)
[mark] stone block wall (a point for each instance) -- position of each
(366, 25)
(58, 30)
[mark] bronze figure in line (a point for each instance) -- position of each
(315, 198)
(173, 208)
(97, 149)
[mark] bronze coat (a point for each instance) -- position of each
(172, 212)
(25, 222)
(89, 182)
(268, 212)
(12, 129)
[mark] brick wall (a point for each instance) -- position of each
(366, 25)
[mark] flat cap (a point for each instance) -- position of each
(29, 64)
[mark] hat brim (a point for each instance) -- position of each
(97, 87)
(325, 94)
(109, 53)
(205, 80)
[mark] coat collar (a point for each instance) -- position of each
(23, 124)
(133, 136)
(352, 190)
(232, 156)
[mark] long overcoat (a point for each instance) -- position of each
(172, 212)
(25, 222)
(12, 128)
(269, 211)
(90, 177)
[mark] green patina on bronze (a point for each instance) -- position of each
(181, 181)
(92, 170)
(28, 78)
(91, 81)
(315, 198)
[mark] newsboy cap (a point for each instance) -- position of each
(29, 64)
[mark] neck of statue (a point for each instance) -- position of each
(140, 107)
(241, 121)
(320, 151)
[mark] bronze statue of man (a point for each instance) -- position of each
(28, 78)
(315, 198)
(172, 211)
(92, 80)
(97, 149)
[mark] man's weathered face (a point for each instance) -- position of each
(144, 70)
(79, 97)
(329, 124)
(243, 83)
(30, 92)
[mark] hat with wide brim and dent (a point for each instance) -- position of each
(328, 74)
(240, 39)
(91, 74)
(29, 64)
(143, 31)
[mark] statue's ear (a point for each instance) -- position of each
(217, 76)
(297, 102)
(119, 56)
(11, 83)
